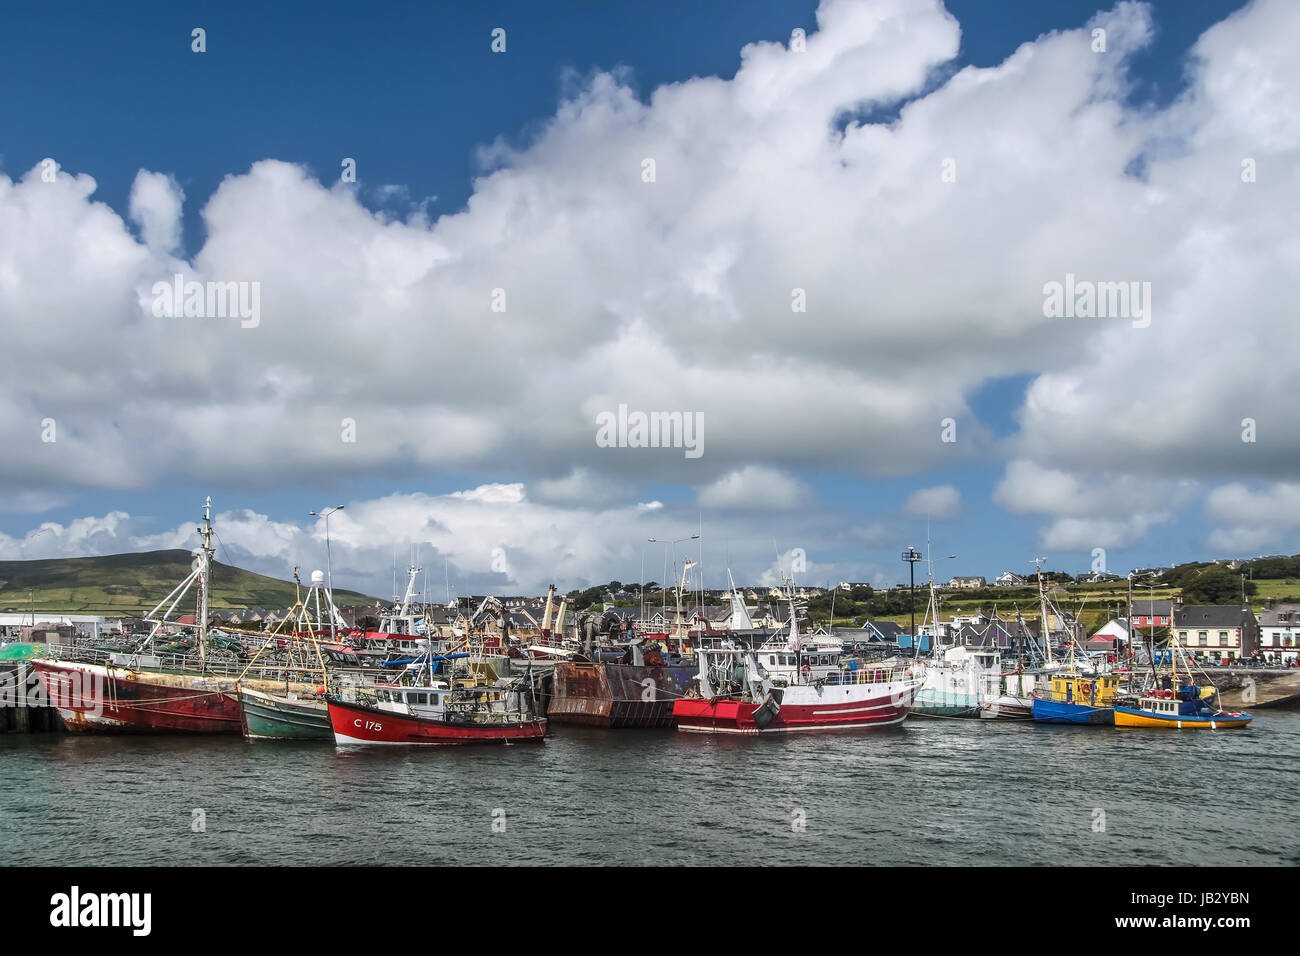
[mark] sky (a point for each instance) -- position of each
(824, 235)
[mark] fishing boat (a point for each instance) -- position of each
(601, 694)
(1075, 698)
(1031, 676)
(266, 716)
(959, 679)
(295, 648)
(104, 699)
(1191, 707)
(1080, 693)
(793, 687)
(630, 684)
(142, 692)
(959, 683)
(432, 713)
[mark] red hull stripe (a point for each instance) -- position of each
(733, 716)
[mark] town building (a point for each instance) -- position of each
(1216, 631)
(1279, 633)
(1149, 613)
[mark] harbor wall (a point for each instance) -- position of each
(20, 689)
(1241, 688)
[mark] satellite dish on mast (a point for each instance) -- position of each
(317, 578)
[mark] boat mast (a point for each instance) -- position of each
(204, 569)
(1042, 609)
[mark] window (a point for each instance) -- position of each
(1223, 638)
(1204, 638)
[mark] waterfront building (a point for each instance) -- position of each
(1216, 631)
(1279, 634)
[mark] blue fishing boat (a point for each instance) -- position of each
(1076, 698)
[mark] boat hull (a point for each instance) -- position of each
(271, 717)
(1131, 717)
(932, 703)
(887, 705)
(1008, 708)
(1069, 712)
(616, 695)
(356, 724)
(95, 699)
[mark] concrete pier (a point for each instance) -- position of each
(1245, 688)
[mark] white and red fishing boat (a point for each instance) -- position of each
(794, 686)
(438, 711)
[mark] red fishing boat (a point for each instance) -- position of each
(438, 712)
(793, 691)
(794, 686)
(133, 693)
(98, 698)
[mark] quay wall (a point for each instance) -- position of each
(16, 716)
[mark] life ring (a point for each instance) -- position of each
(1085, 688)
(805, 670)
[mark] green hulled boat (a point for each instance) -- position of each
(282, 717)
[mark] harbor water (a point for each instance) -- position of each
(932, 792)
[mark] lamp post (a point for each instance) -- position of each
(911, 556)
(673, 545)
(1151, 610)
(329, 569)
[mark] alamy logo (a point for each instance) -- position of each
(209, 300)
(651, 430)
(75, 909)
(1083, 299)
(65, 690)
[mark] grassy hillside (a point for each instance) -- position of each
(1097, 601)
(125, 584)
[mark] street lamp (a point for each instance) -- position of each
(1151, 610)
(674, 545)
(329, 569)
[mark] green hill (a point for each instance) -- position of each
(119, 585)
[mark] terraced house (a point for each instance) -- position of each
(1216, 631)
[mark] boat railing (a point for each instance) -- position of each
(306, 673)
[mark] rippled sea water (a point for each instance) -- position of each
(932, 792)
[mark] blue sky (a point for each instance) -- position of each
(413, 92)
